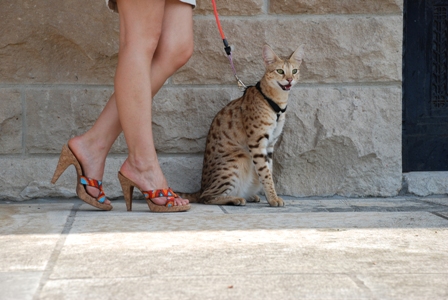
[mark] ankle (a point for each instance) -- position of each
(93, 147)
(141, 165)
(146, 174)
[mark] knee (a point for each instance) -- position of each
(186, 53)
(181, 53)
(178, 53)
(141, 43)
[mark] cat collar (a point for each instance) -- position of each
(273, 105)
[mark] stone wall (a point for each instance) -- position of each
(343, 131)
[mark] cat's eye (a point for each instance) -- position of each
(280, 71)
(294, 71)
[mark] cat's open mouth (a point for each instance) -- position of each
(285, 87)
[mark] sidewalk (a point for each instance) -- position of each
(326, 248)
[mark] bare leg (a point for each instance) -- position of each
(141, 22)
(174, 48)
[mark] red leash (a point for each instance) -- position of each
(227, 48)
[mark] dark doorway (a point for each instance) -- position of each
(425, 86)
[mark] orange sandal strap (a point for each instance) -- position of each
(168, 193)
(96, 184)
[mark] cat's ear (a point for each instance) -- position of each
(298, 54)
(269, 56)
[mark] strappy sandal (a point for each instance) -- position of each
(128, 185)
(66, 159)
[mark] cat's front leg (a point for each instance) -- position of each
(262, 163)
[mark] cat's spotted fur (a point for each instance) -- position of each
(241, 139)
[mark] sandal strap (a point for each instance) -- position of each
(86, 181)
(168, 193)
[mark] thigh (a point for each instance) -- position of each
(177, 25)
(140, 20)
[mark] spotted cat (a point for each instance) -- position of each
(241, 139)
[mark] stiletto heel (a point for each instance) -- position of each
(66, 159)
(128, 189)
(128, 185)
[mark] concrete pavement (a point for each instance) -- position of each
(315, 248)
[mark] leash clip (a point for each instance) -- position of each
(240, 84)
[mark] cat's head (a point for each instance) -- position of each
(282, 73)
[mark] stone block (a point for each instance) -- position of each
(10, 121)
(55, 115)
(230, 8)
(29, 177)
(426, 183)
(293, 7)
(341, 141)
(337, 49)
(57, 42)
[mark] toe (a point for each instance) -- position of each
(181, 201)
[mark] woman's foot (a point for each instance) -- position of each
(149, 178)
(92, 161)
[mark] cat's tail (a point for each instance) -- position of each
(192, 197)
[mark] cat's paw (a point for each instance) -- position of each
(276, 202)
(239, 201)
(254, 198)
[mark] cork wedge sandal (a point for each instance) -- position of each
(128, 185)
(66, 159)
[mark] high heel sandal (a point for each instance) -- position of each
(66, 159)
(128, 185)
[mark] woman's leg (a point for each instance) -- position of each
(175, 44)
(143, 28)
(174, 48)
(142, 22)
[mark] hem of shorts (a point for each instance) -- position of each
(114, 8)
